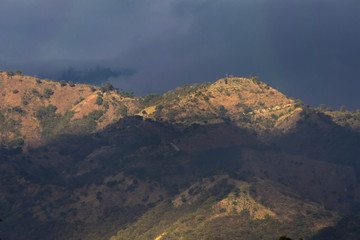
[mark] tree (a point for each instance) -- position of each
(99, 100)
(222, 111)
(343, 109)
(63, 83)
(322, 107)
(107, 87)
(48, 92)
(255, 79)
(71, 84)
(10, 73)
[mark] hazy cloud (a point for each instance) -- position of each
(97, 76)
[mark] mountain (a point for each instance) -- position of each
(34, 110)
(233, 159)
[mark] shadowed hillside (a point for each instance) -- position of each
(234, 159)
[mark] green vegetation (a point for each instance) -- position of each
(48, 92)
(10, 73)
(79, 101)
(53, 123)
(107, 87)
(99, 100)
(255, 79)
(88, 123)
(125, 94)
(150, 100)
(343, 109)
(122, 110)
(18, 109)
(95, 115)
(298, 103)
(63, 83)
(106, 105)
(221, 111)
(16, 143)
(10, 133)
(15, 91)
(71, 84)
(18, 72)
(200, 220)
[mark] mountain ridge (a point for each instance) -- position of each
(273, 167)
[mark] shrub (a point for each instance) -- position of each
(298, 103)
(124, 94)
(15, 91)
(95, 115)
(107, 87)
(18, 109)
(48, 92)
(123, 110)
(99, 100)
(24, 100)
(35, 91)
(46, 112)
(38, 81)
(106, 105)
(343, 109)
(63, 83)
(10, 73)
(18, 72)
(17, 143)
(71, 84)
(255, 79)
(93, 89)
(51, 122)
(222, 111)
(322, 107)
(151, 99)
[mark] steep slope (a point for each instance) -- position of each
(32, 109)
(225, 208)
(248, 102)
(88, 187)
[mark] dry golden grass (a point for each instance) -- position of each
(28, 93)
(242, 98)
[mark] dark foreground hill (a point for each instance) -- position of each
(191, 169)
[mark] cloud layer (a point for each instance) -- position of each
(308, 49)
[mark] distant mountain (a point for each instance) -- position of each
(233, 159)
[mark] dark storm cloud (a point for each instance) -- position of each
(96, 76)
(308, 49)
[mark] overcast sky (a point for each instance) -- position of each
(308, 49)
